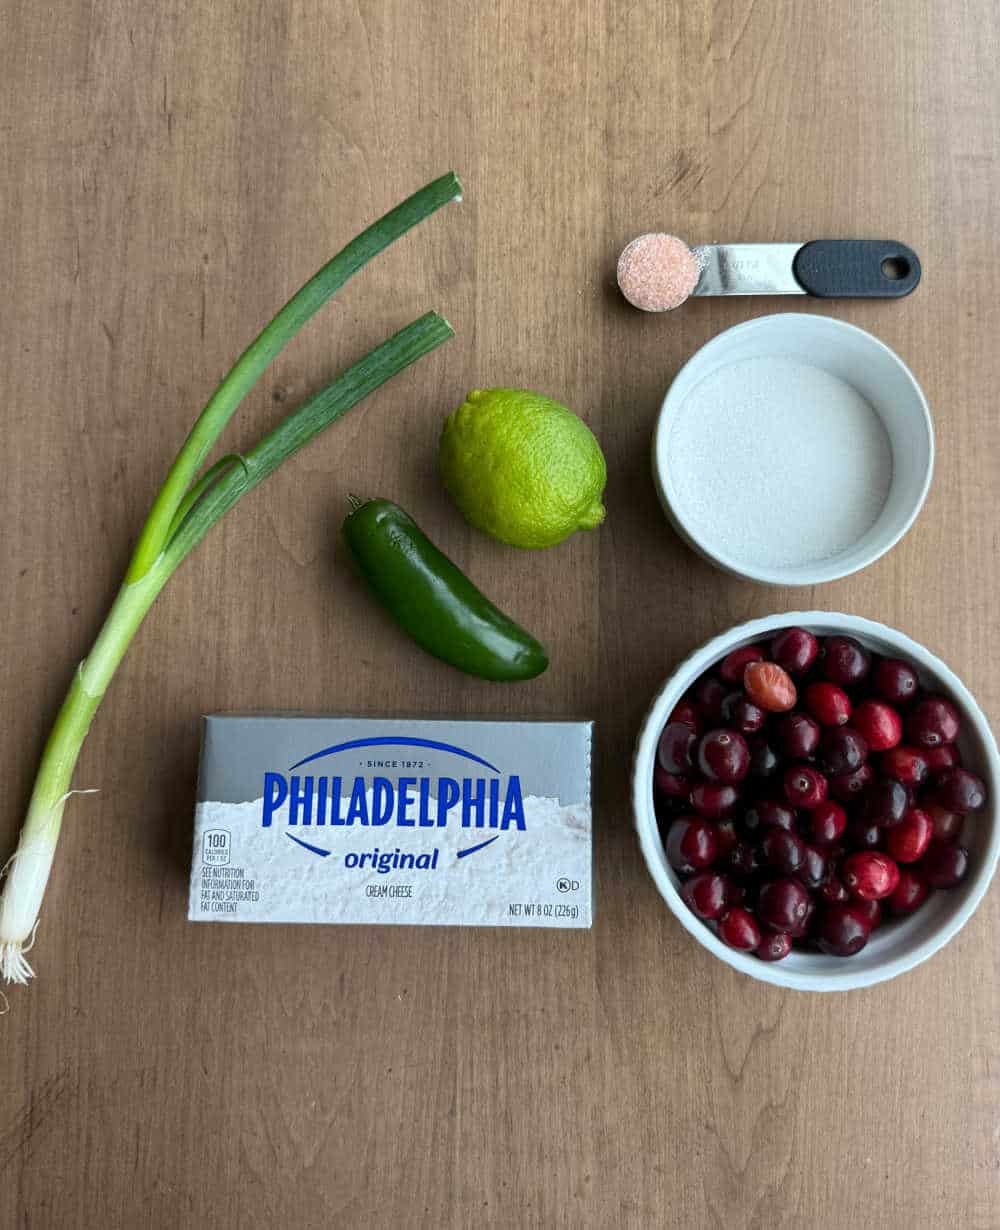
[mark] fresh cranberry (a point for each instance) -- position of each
(784, 905)
(766, 814)
(833, 891)
(842, 750)
(738, 928)
(879, 723)
(908, 765)
(829, 705)
(775, 946)
(827, 822)
(863, 835)
(911, 837)
(940, 758)
(933, 721)
(795, 650)
(895, 681)
(798, 736)
(769, 686)
(742, 713)
(814, 869)
(869, 874)
(944, 865)
(748, 718)
(843, 661)
(672, 785)
(723, 756)
(848, 787)
(707, 696)
(909, 894)
(685, 712)
(763, 760)
(804, 787)
(675, 748)
(706, 894)
(843, 929)
(886, 802)
(725, 837)
(959, 790)
(947, 824)
(734, 664)
(784, 850)
(872, 910)
(691, 844)
(744, 860)
(713, 801)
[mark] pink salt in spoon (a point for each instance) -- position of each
(658, 272)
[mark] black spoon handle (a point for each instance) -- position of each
(856, 269)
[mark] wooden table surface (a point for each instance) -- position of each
(170, 174)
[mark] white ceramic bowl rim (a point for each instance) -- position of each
(845, 563)
(840, 976)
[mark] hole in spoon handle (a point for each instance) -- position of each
(856, 269)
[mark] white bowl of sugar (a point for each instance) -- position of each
(793, 450)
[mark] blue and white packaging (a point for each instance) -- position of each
(363, 820)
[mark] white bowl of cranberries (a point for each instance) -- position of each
(816, 800)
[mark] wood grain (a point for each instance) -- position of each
(170, 173)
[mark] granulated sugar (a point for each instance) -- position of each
(778, 463)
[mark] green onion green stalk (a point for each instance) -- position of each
(189, 503)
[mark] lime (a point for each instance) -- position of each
(522, 467)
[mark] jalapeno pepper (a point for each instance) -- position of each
(434, 601)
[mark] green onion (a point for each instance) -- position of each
(183, 512)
